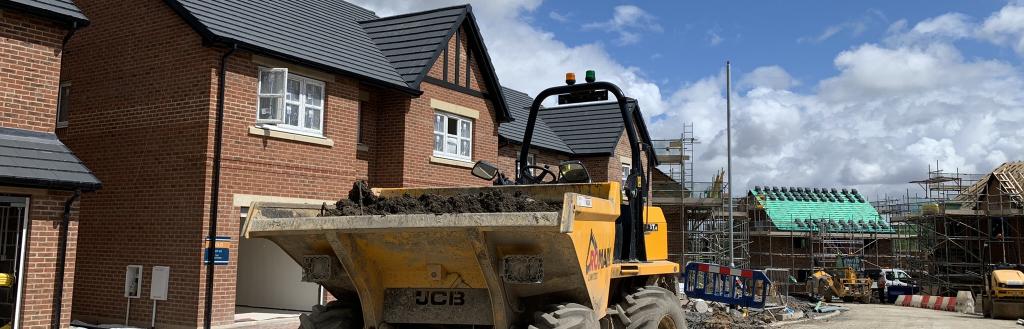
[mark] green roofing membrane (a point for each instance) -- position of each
(808, 210)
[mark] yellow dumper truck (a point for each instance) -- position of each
(597, 261)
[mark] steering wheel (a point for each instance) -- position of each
(530, 178)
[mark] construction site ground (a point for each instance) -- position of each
(879, 316)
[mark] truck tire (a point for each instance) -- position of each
(334, 315)
(565, 316)
(650, 308)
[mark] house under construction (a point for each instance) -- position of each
(697, 212)
(962, 225)
(800, 228)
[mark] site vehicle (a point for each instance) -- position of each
(890, 283)
(1004, 293)
(844, 281)
(599, 261)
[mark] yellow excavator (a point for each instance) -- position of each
(846, 284)
(1004, 293)
(598, 261)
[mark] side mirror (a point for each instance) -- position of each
(485, 170)
(573, 171)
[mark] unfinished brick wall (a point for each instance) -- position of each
(29, 71)
(141, 119)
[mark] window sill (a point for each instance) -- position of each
(362, 147)
(450, 162)
(278, 134)
(62, 124)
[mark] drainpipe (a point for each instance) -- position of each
(62, 251)
(62, 240)
(215, 186)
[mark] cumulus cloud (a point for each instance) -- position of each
(893, 107)
(773, 77)
(629, 22)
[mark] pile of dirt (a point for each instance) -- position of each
(362, 201)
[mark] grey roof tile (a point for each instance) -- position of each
(35, 159)
(585, 129)
(412, 41)
(60, 9)
(324, 33)
(519, 105)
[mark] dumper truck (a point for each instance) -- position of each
(598, 261)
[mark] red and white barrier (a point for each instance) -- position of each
(929, 302)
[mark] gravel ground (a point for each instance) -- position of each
(879, 316)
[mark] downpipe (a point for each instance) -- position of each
(62, 252)
(215, 186)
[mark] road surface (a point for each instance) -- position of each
(878, 316)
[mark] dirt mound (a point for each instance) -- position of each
(361, 201)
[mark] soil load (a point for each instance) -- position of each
(362, 201)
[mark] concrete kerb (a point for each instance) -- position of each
(825, 316)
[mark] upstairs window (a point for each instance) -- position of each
(453, 137)
(63, 104)
(625, 174)
(290, 102)
(531, 160)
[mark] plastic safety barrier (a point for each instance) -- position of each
(733, 286)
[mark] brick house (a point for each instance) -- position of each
(40, 179)
(325, 94)
(590, 132)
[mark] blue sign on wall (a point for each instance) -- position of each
(221, 255)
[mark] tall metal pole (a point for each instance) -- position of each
(728, 156)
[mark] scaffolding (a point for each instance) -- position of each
(963, 224)
(802, 251)
(697, 212)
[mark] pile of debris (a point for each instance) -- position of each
(714, 315)
(362, 201)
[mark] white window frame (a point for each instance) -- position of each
(281, 96)
(444, 153)
(61, 106)
(626, 168)
(531, 160)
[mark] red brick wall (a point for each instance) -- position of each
(30, 61)
(46, 210)
(141, 119)
(29, 71)
(418, 131)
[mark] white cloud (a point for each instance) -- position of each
(854, 27)
(1006, 27)
(893, 107)
(773, 77)
(562, 18)
(628, 21)
(713, 38)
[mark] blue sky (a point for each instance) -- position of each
(696, 37)
(856, 94)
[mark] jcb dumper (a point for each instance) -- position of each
(597, 261)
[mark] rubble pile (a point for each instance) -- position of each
(714, 315)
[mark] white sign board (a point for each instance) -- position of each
(158, 288)
(133, 281)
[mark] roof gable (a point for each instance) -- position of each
(413, 43)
